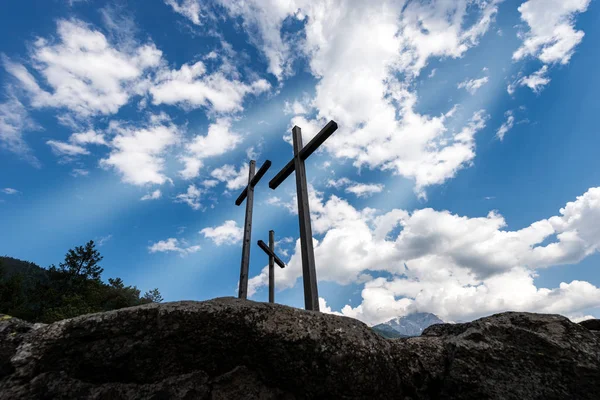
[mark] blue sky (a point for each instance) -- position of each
(463, 179)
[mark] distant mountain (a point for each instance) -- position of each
(387, 331)
(409, 325)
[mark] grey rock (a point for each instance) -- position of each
(12, 333)
(592, 324)
(237, 349)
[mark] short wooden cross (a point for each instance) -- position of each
(270, 250)
(309, 276)
(248, 194)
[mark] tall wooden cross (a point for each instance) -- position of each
(270, 250)
(309, 276)
(248, 193)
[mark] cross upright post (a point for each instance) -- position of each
(270, 250)
(248, 194)
(309, 275)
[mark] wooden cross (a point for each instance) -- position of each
(249, 193)
(270, 250)
(309, 276)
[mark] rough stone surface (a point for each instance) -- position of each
(592, 324)
(237, 349)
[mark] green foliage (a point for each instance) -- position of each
(71, 289)
(153, 296)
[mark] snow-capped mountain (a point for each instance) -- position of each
(409, 325)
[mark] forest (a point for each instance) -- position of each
(75, 287)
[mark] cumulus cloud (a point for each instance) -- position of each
(173, 245)
(227, 233)
(10, 191)
(472, 85)
(192, 87)
(155, 195)
(85, 73)
(76, 145)
(359, 73)
(551, 36)
(298, 107)
(234, 178)
(191, 197)
(455, 266)
(537, 80)
(219, 140)
(138, 152)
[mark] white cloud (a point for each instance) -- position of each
(173, 245)
(263, 19)
(102, 241)
(88, 137)
(364, 190)
(358, 189)
(234, 179)
(578, 319)
(472, 85)
(86, 74)
(14, 121)
(188, 8)
(155, 195)
(455, 266)
(360, 71)
(192, 87)
(77, 172)
(66, 149)
(298, 107)
(10, 191)
(191, 197)
(552, 36)
(137, 152)
(537, 80)
(219, 140)
(506, 126)
(209, 183)
(227, 233)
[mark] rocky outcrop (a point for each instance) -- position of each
(592, 324)
(237, 349)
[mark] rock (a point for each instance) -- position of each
(237, 349)
(12, 333)
(592, 324)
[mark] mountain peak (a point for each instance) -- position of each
(411, 324)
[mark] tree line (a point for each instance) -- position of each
(75, 287)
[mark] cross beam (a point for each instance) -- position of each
(301, 153)
(270, 250)
(248, 194)
(261, 171)
(304, 153)
(271, 253)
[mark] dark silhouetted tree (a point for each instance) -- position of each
(74, 288)
(153, 296)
